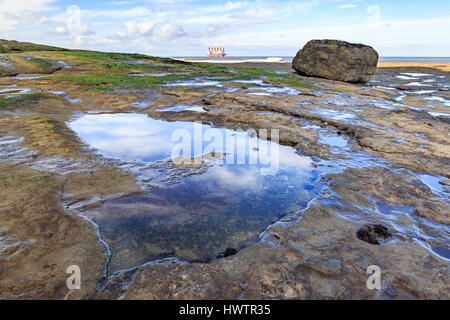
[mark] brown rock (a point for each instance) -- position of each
(336, 60)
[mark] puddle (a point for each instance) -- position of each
(75, 101)
(7, 65)
(405, 77)
(421, 135)
(333, 140)
(440, 99)
(415, 74)
(417, 84)
(400, 97)
(13, 90)
(433, 183)
(439, 114)
(268, 89)
(266, 113)
(142, 104)
(385, 88)
(182, 107)
(150, 74)
(266, 94)
(256, 82)
(197, 218)
(392, 210)
(285, 90)
(66, 96)
(195, 84)
(334, 114)
(63, 64)
(328, 137)
(424, 91)
(27, 77)
(441, 251)
(399, 140)
(382, 105)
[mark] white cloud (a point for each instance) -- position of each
(139, 29)
(170, 32)
(129, 13)
(60, 30)
(15, 13)
(346, 6)
(229, 6)
(24, 5)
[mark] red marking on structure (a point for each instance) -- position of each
(216, 52)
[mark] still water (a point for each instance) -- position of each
(248, 185)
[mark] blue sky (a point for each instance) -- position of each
(245, 28)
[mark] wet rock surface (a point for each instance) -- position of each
(382, 155)
(336, 60)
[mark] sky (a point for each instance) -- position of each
(245, 28)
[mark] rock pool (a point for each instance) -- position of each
(226, 204)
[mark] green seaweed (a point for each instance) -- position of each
(26, 98)
(41, 63)
(144, 67)
(111, 82)
(197, 71)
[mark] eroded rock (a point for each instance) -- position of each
(336, 60)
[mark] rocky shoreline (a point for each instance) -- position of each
(382, 149)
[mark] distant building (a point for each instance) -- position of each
(216, 52)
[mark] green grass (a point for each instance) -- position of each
(16, 46)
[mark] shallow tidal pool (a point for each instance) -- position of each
(226, 201)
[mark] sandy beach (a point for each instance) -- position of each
(444, 66)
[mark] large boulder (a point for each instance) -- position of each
(336, 60)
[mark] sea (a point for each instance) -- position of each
(289, 59)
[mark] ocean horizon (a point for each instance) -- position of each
(289, 59)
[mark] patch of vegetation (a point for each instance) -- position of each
(16, 46)
(256, 72)
(26, 98)
(98, 56)
(192, 71)
(144, 67)
(110, 83)
(34, 179)
(41, 63)
(103, 56)
(209, 67)
(4, 180)
(291, 80)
